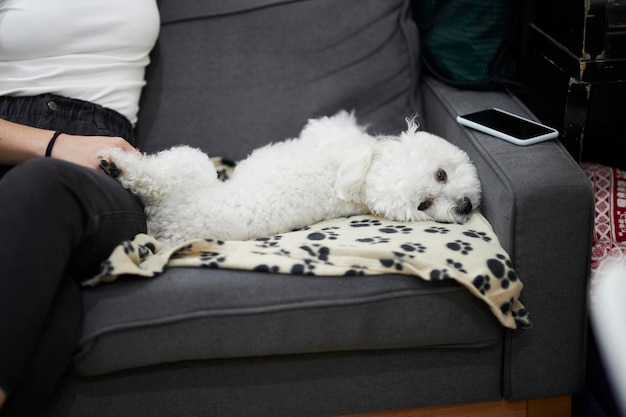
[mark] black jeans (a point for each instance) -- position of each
(58, 221)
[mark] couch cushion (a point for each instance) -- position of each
(226, 313)
(230, 76)
(194, 313)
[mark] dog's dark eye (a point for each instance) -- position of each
(441, 175)
(424, 205)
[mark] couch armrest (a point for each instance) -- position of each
(540, 204)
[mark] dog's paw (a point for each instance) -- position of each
(111, 161)
(110, 168)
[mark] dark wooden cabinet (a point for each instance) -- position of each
(576, 74)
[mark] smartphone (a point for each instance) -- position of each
(508, 126)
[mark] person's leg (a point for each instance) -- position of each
(58, 221)
(50, 356)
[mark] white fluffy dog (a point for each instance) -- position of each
(333, 169)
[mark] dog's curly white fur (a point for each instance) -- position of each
(333, 169)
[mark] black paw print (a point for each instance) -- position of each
(401, 255)
(439, 274)
(106, 268)
(477, 235)
(222, 174)
(224, 168)
(396, 229)
(327, 232)
(354, 272)
(219, 242)
(128, 247)
(305, 268)
(182, 251)
(437, 229)
(459, 246)
(374, 240)
(211, 259)
(145, 251)
(522, 318)
(268, 242)
(317, 251)
(413, 247)
(392, 263)
(507, 306)
(482, 283)
(284, 251)
(365, 223)
(502, 268)
(456, 265)
(266, 268)
(110, 168)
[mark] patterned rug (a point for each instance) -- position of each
(609, 235)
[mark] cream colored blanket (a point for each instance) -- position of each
(361, 245)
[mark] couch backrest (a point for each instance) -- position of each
(231, 75)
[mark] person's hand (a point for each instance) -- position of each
(82, 150)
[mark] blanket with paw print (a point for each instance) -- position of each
(360, 245)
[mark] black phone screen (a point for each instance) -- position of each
(505, 123)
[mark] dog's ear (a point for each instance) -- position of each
(351, 176)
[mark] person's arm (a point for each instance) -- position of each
(19, 143)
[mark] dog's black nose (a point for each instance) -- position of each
(465, 206)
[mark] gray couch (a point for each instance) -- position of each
(229, 76)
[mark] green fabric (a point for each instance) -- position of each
(464, 41)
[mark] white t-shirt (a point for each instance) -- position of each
(94, 50)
